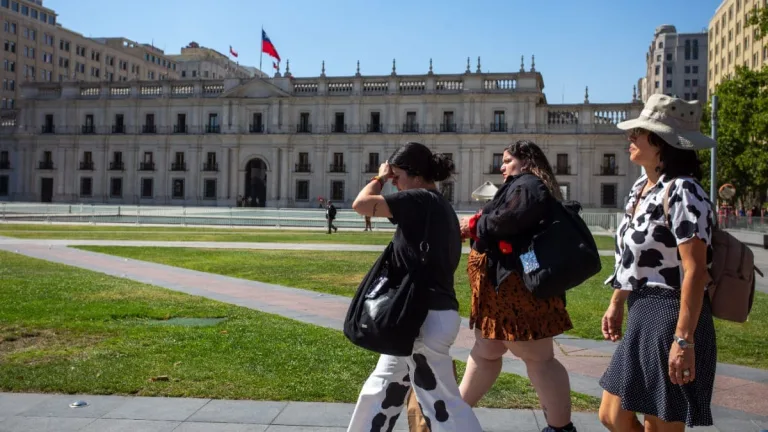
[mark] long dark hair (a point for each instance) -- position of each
(417, 160)
(676, 162)
(535, 162)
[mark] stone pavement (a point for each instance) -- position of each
(740, 401)
(39, 412)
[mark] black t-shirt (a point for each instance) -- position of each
(409, 212)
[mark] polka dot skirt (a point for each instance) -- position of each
(638, 372)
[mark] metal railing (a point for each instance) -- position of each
(211, 166)
(86, 166)
(302, 168)
(146, 166)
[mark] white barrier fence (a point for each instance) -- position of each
(214, 216)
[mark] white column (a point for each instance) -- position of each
(228, 176)
(60, 162)
(273, 176)
(283, 186)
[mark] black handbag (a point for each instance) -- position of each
(389, 307)
(560, 256)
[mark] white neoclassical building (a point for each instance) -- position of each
(287, 141)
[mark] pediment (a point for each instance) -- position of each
(256, 88)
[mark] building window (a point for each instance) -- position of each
(656, 84)
(375, 125)
(373, 163)
(695, 83)
(669, 83)
(687, 96)
(116, 187)
(695, 96)
(178, 189)
(338, 163)
(256, 123)
(562, 167)
(608, 195)
(302, 190)
(209, 189)
(695, 49)
(687, 83)
(337, 190)
(496, 160)
(657, 69)
(687, 69)
(609, 164)
(669, 69)
(446, 188)
(86, 186)
(661, 45)
(410, 122)
(669, 56)
(658, 58)
(565, 191)
(688, 49)
(338, 124)
(695, 69)
(147, 186)
(4, 185)
(304, 125)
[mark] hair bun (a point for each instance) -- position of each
(442, 167)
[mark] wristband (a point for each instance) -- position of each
(378, 179)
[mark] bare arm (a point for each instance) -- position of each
(369, 201)
(693, 254)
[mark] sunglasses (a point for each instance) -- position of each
(636, 132)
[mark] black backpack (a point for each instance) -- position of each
(562, 255)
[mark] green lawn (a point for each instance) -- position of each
(68, 330)
(127, 232)
(340, 272)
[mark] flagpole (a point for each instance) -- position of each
(261, 48)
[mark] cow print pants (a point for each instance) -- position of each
(430, 370)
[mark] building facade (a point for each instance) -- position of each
(287, 141)
(198, 62)
(37, 49)
(732, 42)
(676, 65)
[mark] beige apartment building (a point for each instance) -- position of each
(199, 62)
(37, 48)
(732, 43)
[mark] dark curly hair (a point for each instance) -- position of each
(535, 162)
(676, 162)
(416, 159)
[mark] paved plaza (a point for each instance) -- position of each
(740, 401)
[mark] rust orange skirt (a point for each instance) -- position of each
(512, 314)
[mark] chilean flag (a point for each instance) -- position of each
(233, 52)
(267, 47)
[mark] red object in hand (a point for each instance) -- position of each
(505, 247)
(473, 226)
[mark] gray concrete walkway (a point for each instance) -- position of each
(741, 394)
(36, 412)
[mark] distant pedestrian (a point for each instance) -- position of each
(368, 224)
(330, 215)
(249, 200)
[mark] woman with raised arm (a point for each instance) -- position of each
(413, 170)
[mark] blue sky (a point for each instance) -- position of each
(595, 43)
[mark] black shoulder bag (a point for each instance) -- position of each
(562, 255)
(387, 312)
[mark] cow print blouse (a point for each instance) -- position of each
(647, 252)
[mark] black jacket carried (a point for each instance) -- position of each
(517, 212)
(331, 212)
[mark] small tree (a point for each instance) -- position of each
(742, 155)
